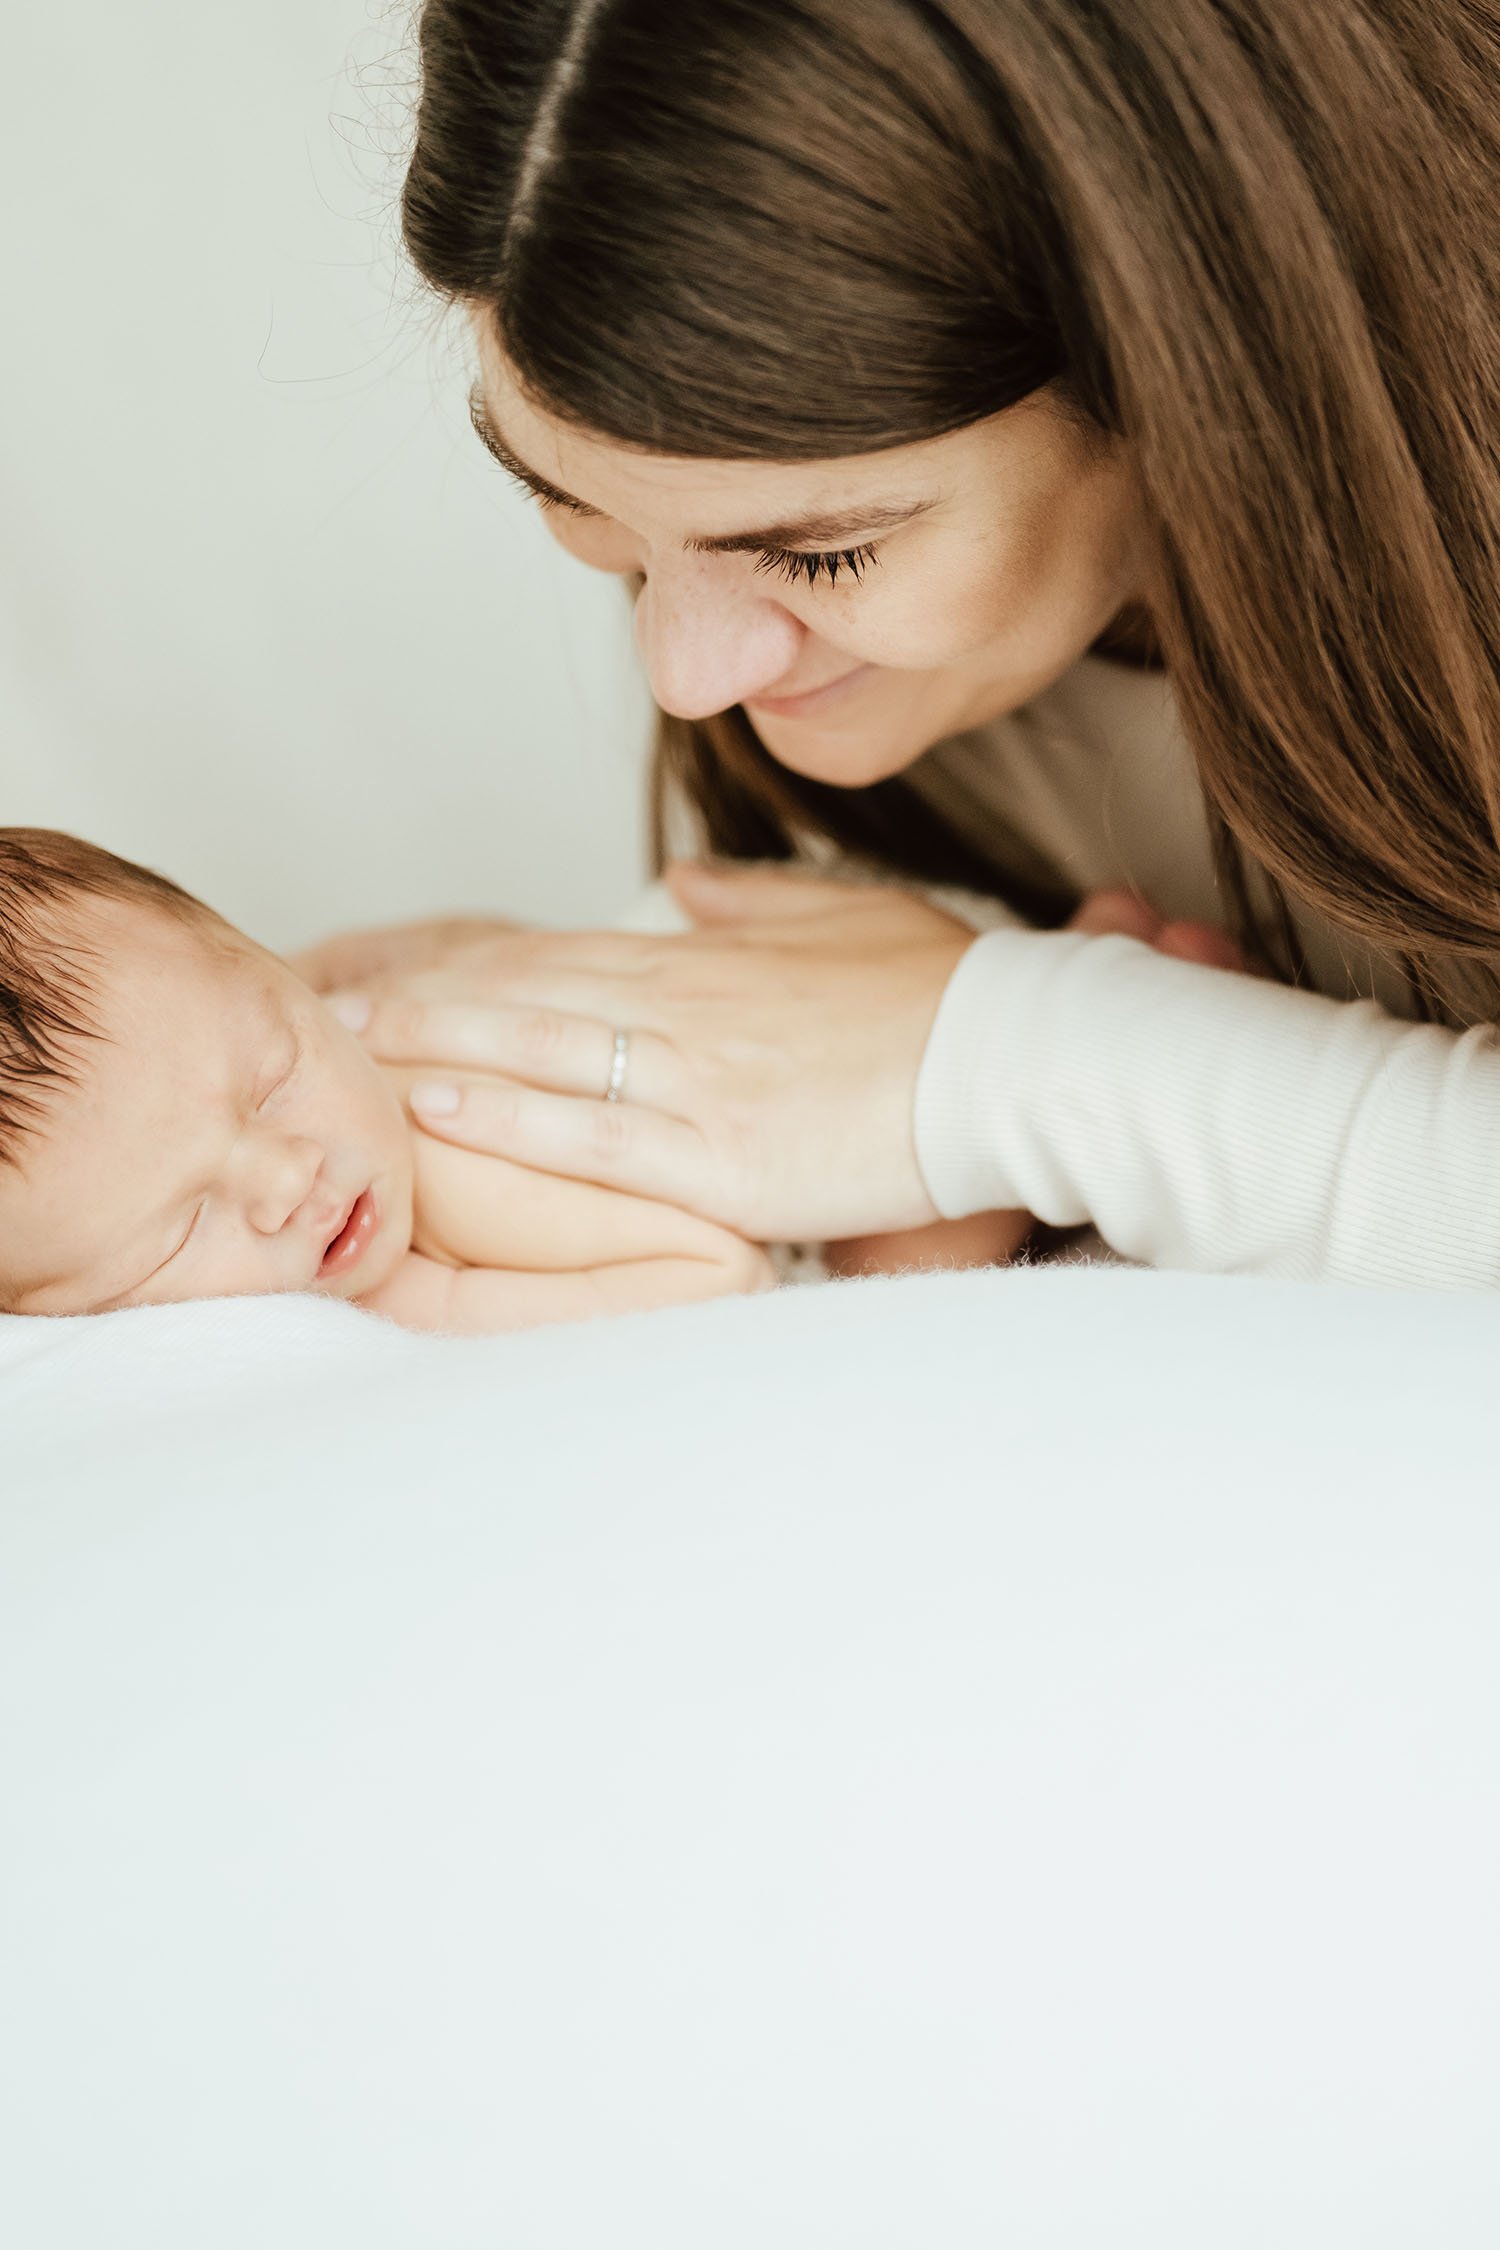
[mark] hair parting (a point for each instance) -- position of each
(543, 142)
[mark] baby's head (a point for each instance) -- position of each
(179, 1115)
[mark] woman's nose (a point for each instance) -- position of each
(281, 1173)
(709, 644)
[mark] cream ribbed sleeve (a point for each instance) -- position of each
(1209, 1121)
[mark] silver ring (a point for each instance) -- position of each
(618, 1064)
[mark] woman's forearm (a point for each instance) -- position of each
(1213, 1122)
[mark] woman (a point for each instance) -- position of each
(1056, 445)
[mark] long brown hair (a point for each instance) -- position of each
(1255, 239)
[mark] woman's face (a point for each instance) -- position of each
(972, 570)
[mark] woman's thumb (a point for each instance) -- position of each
(711, 891)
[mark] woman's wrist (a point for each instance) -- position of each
(979, 1058)
(1212, 1122)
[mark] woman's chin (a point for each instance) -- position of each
(841, 758)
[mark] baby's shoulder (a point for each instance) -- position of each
(449, 1185)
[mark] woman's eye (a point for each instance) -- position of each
(787, 563)
(550, 504)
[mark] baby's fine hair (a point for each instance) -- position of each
(47, 967)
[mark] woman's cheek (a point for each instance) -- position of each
(928, 625)
(942, 597)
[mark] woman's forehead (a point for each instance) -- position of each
(713, 500)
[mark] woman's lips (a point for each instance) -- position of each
(353, 1238)
(803, 706)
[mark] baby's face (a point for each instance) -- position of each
(225, 1137)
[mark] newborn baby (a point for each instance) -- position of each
(181, 1116)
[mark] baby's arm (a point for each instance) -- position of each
(485, 1301)
(479, 1210)
(498, 1247)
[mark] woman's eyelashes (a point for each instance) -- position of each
(789, 563)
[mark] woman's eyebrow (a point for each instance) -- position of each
(497, 449)
(845, 530)
(796, 531)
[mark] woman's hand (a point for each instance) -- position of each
(773, 1052)
(357, 957)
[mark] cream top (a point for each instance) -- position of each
(1198, 1120)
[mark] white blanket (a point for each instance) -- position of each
(1005, 1759)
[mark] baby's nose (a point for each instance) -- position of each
(283, 1179)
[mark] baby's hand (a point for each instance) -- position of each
(1122, 914)
(990, 1238)
(487, 1301)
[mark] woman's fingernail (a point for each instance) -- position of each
(352, 1009)
(435, 1099)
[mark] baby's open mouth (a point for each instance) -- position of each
(349, 1244)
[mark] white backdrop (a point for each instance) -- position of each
(268, 618)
